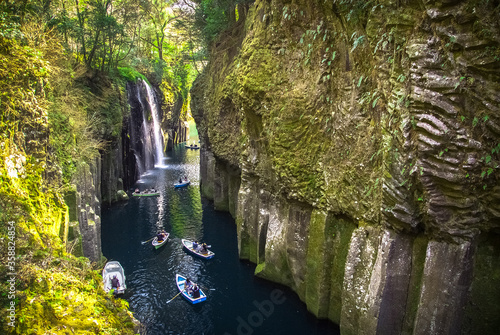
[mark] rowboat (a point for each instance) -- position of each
(113, 269)
(157, 244)
(145, 194)
(189, 246)
(180, 280)
(183, 184)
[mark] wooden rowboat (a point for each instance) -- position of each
(180, 280)
(157, 244)
(189, 246)
(145, 194)
(113, 269)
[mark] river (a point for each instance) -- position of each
(237, 301)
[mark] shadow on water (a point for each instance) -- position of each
(237, 302)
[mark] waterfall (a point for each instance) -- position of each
(157, 135)
(146, 139)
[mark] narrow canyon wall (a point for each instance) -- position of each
(357, 146)
(84, 202)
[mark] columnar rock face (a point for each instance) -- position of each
(85, 212)
(364, 140)
(118, 171)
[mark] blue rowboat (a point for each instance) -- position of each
(189, 246)
(183, 184)
(180, 280)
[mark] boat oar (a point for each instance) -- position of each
(148, 240)
(175, 296)
(206, 288)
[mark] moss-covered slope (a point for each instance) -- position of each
(40, 140)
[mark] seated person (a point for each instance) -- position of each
(160, 236)
(137, 190)
(196, 291)
(188, 286)
(204, 248)
(195, 245)
(180, 180)
(115, 283)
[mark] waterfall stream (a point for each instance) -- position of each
(145, 129)
(157, 135)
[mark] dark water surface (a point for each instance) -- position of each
(237, 302)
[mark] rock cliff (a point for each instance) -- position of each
(128, 153)
(357, 145)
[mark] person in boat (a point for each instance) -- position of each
(188, 286)
(160, 236)
(185, 178)
(153, 190)
(195, 293)
(195, 245)
(204, 248)
(137, 191)
(115, 283)
(180, 180)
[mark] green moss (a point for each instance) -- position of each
(260, 267)
(130, 74)
(276, 270)
(319, 259)
(70, 200)
(253, 249)
(248, 244)
(341, 231)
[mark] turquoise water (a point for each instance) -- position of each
(237, 302)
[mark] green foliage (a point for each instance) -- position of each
(355, 11)
(130, 74)
(214, 16)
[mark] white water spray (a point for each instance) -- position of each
(157, 135)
